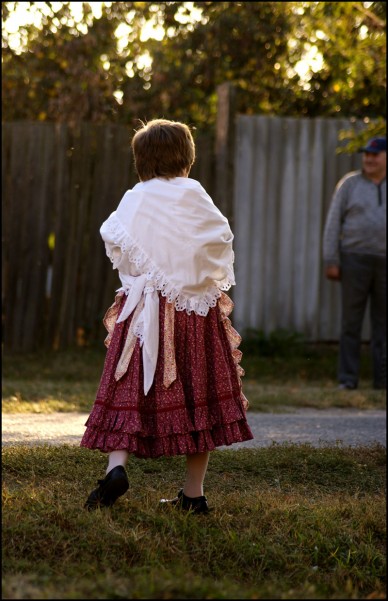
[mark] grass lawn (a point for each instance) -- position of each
(288, 522)
(293, 377)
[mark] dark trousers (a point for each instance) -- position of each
(362, 278)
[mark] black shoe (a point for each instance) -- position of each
(196, 504)
(109, 490)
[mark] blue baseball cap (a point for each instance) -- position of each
(375, 145)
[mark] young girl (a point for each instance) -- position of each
(171, 379)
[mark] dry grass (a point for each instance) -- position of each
(288, 522)
(68, 380)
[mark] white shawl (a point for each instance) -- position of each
(168, 236)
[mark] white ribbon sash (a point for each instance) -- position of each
(146, 327)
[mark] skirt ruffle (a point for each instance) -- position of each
(201, 410)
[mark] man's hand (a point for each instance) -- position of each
(333, 272)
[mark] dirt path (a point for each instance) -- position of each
(331, 426)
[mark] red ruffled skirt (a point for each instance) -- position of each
(203, 407)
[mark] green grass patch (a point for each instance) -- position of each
(56, 381)
(288, 522)
(278, 398)
(278, 378)
(283, 357)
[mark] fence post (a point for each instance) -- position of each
(224, 148)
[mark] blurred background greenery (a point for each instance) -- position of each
(124, 61)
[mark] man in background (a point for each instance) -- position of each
(354, 251)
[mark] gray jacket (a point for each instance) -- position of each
(356, 221)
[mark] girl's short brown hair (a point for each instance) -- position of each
(163, 148)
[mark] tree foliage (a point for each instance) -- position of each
(243, 43)
(352, 41)
(71, 71)
(60, 75)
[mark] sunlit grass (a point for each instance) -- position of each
(68, 381)
(287, 522)
(46, 396)
(317, 395)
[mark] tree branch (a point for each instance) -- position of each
(368, 13)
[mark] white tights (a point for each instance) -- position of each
(117, 458)
(196, 467)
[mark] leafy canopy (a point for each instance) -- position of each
(101, 66)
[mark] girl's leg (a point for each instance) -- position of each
(113, 485)
(117, 458)
(196, 467)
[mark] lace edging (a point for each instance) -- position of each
(199, 304)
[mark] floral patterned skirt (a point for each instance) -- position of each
(198, 408)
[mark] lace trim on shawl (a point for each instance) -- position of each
(200, 304)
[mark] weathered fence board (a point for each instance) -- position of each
(286, 170)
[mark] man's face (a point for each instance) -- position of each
(374, 163)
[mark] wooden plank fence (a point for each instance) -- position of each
(59, 184)
(286, 170)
